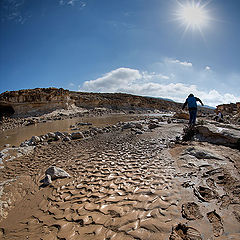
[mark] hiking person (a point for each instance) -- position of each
(191, 101)
(220, 116)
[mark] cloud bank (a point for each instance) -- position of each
(133, 81)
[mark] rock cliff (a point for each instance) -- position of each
(231, 112)
(42, 100)
(34, 101)
(119, 101)
(232, 108)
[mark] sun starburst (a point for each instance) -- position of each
(193, 15)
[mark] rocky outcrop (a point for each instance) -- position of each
(34, 101)
(123, 101)
(218, 135)
(232, 108)
(231, 112)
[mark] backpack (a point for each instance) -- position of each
(192, 103)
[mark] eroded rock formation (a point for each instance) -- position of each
(34, 101)
(41, 100)
(232, 108)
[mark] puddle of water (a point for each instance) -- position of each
(16, 136)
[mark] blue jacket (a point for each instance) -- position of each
(192, 102)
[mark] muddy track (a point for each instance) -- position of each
(123, 186)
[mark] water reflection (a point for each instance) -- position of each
(18, 135)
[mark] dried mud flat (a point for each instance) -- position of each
(124, 186)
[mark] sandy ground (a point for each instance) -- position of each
(124, 186)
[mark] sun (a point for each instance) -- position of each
(193, 15)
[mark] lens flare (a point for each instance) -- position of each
(193, 15)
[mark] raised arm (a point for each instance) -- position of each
(199, 100)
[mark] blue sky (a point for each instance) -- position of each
(134, 46)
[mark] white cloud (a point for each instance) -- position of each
(186, 64)
(133, 81)
(207, 68)
(113, 80)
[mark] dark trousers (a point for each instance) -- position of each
(193, 116)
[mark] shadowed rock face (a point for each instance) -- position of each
(30, 101)
(6, 110)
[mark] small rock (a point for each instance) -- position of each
(137, 131)
(30, 122)
(128, 125)
(66, 139)
(56, 172)
(153, 125)
(34, 140)
(51, 135)
(138, 125)
(77, 135)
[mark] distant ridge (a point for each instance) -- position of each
(170, 100)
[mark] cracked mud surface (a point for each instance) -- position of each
(124, 186)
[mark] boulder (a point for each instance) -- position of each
(219, 135)
(77, 135)
(35, 140)
(55, 172)
(153, 125)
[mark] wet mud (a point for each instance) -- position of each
(123, 186)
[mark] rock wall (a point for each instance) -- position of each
(34, 101)
(42, 100)
(121, 101)
(232, 108)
